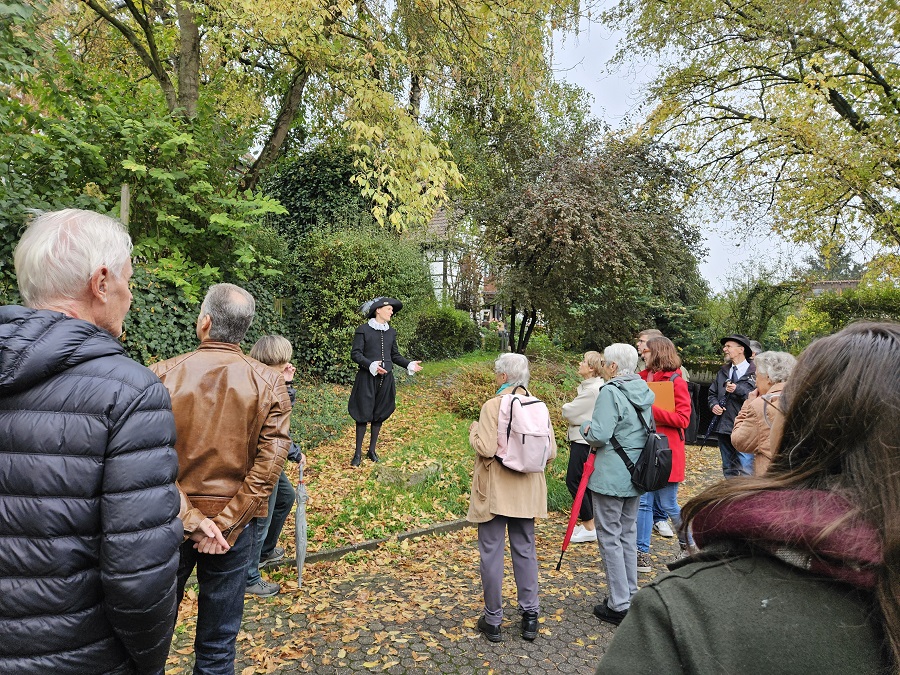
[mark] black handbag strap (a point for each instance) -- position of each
(620, 451)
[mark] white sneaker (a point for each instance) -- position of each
(581, 535)
(663, 529)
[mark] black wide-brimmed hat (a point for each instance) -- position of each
(742, 340)
(368, 309)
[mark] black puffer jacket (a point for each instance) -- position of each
(89, 529)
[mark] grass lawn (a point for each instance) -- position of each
(425, 440)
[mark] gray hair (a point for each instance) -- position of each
(777, 366)
(755, 346)
(231, 309)
(60, 250)
(623, 355)
(273, 350)
(515, 367)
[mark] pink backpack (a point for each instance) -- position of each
(523, 433)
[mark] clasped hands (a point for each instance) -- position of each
(208, 538)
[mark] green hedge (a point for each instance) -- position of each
(443, 333)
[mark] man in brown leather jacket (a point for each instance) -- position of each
(232, 416)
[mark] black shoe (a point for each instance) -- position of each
(529, 625)
(357, 459)
(604, 613)
(492, 633)
(371, 455)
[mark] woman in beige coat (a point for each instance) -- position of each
(577, 412)
(757, 428)
(501, 500)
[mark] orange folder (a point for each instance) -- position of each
(665, 394)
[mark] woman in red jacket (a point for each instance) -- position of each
(663, 364)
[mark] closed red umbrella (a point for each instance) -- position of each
(576, 503)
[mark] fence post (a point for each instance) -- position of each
(125, 204)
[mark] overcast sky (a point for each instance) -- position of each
(583, 60)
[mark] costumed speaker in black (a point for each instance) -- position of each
(374, 390)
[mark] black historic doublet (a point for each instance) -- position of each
(372, 398)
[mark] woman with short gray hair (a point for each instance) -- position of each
(622, 412)
(502, 500)
(757, 428)
(515, 367)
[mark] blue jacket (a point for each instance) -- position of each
(88, 504)
(615, 416)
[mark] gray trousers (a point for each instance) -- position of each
(616, 521)
(491, 546)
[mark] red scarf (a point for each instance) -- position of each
(789, 524)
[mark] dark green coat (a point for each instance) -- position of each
(746, 615)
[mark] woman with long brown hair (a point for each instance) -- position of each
(799, 569)
(664, 365)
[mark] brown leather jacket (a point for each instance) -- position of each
(759, 426)
(232, 418)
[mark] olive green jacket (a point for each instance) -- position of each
(746, 615)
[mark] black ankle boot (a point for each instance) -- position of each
(357, 458)
(492, 633)
(529, 625)
(372, 455)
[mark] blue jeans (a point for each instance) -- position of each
(222, 579)
(666, 501)
(280, 503)
(734, 463)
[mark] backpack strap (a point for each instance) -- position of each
(672, 377)
(512, 404)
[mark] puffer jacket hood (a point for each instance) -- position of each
(36, 344)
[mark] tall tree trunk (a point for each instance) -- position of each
(512, 327)
(531, 322)
(188, 60)
(290, 104)
(415, 95)
(520, 342)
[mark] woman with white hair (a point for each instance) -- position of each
(621, 404)
(757, 428)
(505, 500)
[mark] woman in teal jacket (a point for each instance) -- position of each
(614, 497)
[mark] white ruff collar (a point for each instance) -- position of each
(378, 326)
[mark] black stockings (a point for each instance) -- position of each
(373, 439)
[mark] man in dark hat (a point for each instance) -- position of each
(375, 351)
(733, 383)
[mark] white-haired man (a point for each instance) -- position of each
(232, 415)
(88, 498)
